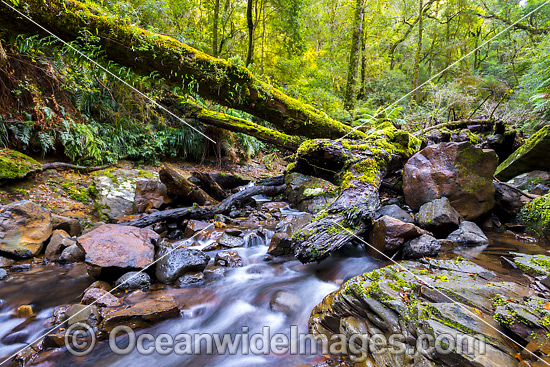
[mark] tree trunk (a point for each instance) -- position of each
(250, 26)
(215, 28)
(358, 167)
(3, 56)
(144, 52)
(183, 190)
(354, 56)
(210, 186)
(418, 52)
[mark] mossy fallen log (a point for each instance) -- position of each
(145, 52)
(358, 167)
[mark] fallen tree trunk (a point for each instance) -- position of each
(183, 190)
(207, 212)
(358, 167)
(145, 52)
(210, 186)
(62, 165)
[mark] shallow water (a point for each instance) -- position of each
(240, 299)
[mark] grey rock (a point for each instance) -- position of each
(3, 274)
(134, 280)
(189, 279)
(469, 234)
(396, 212)
(82, 314)
(59, 241)
(231, 241)
(438, 216)
(70, 225)
(72, 254)
(422, 246)
(179, 262)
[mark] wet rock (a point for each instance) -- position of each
(59, 241)
(285, 302)
(82, 314)
(100, 298)
(458, 171)
(389, 234)
(234, 231)
(528, 157)
(469, 234)
(508, 202)
(24, 311)
(141, 315)
(3, 274)
(189, 279)
(20, 267)
(529, 181)
(423, 246)
(150, 195)
(4, 262)
(178, 262)
(228, 259)
(230, 241)
(194, 226)
(308, 193)
(394, 211)
(99, 284)
(535, 265)
(134, 280)
(70, 225)
(536, 215)
(280, 245)
(540, 189)
(440, 297)
(439, 217)
(292, 223)
(24, 227)
(115, 248)
(72, 254)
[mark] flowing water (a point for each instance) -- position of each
(242, 298)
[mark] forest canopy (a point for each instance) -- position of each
(418, 62)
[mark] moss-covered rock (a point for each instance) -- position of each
(536, 215)
(15, 165)
(533, 155)
(431, 298)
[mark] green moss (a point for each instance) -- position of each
(15, 165)
(79, 194)
(536, 215)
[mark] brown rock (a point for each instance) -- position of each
(70, 225)
(24, 312)
(193, 226)
(59, 241)
(113, 247)
(280, 245)
(141, 315)
(98, 284)
(228, 259)
(389, 234)
(100, 298)
(149, 195)
(24, 227)
(458, 171)
(4, 262)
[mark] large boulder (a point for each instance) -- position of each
(389, 234)
(439, 217)
(174, 263)
(115, 191)
(150, 195)
(458, 171)
(508, 202)
(15, 165)
(469, 234)
(536, 215)
(308, 193)
(114, 248)
(24, 227)
(529, 157)
(444, 301)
